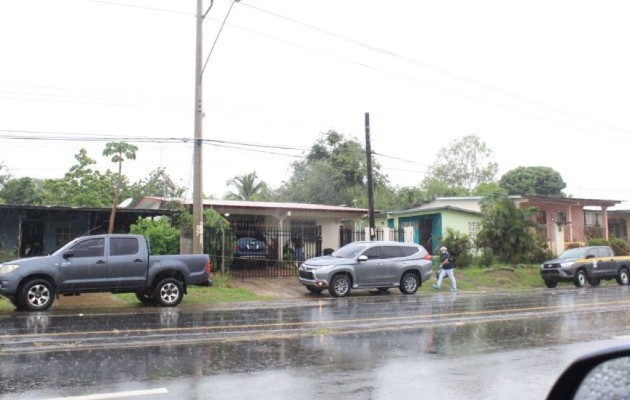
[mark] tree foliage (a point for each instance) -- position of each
(24, 191)
(506, 230)
(163, 238)
(157, 184)
(81, 186)
(465, 163)
(119, 151)
(248, 187)
(334, 172)
(533, 180)
(4, 176)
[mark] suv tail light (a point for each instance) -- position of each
(428, 257)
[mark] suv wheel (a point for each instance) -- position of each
(623, 278)
(580, 278)
(340, 286)
(551, 284)
(409, 283)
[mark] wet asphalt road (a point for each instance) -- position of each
(438, 345)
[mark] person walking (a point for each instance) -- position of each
(446, 266)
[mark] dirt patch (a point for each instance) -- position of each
(283, 287)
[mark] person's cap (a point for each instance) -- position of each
(442, 248)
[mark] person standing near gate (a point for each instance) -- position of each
(446, 265)
(298, 248)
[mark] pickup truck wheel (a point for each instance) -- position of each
(169, 292)
(144, 297)
(623, 278)
(409, 283)
(551, 284)
(594, 281)
(580, 278)
(36, 295)
(340, 286)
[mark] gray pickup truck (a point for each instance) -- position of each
(590, 264)
(102, 263)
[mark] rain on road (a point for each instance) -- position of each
(475, 345)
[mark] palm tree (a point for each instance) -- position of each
(120, 151)
(247, 187)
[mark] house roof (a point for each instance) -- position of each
(269, 205)
(241, 205)
(571, 200)
(99, 209)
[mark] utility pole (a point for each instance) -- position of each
(197, 245)
(368, 150)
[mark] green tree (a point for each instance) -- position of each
(434, 187)
(119, 151)
(248, 187)
(465, 163)
(533, 180)
(81, 186)
(25, 191)
(334, 172)
(489, 188)
(163, 238)
(157, 184)
(506, 230)
(4, 176)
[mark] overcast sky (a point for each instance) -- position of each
(542, 83)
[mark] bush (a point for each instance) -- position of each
(459, 245)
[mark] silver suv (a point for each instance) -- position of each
(368, 265)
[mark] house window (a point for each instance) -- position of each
(473, 228)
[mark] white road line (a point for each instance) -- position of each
(117, 395)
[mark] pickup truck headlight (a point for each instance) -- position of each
(7, 268)
(567, 264)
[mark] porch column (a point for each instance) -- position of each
(605, 222)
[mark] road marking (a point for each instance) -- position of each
(117, 395)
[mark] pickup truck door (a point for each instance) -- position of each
(604, 265)
(128, 263)
(84, 266)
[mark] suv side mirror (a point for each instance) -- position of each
(68, 254)
(362, 258)
(602, 374)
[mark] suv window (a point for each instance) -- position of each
(123, 246)
(408, 251)
(373, 253)
(391, 251)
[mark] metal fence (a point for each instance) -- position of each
(284, 249)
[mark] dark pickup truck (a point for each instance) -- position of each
(102, 263)
(590, 264)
